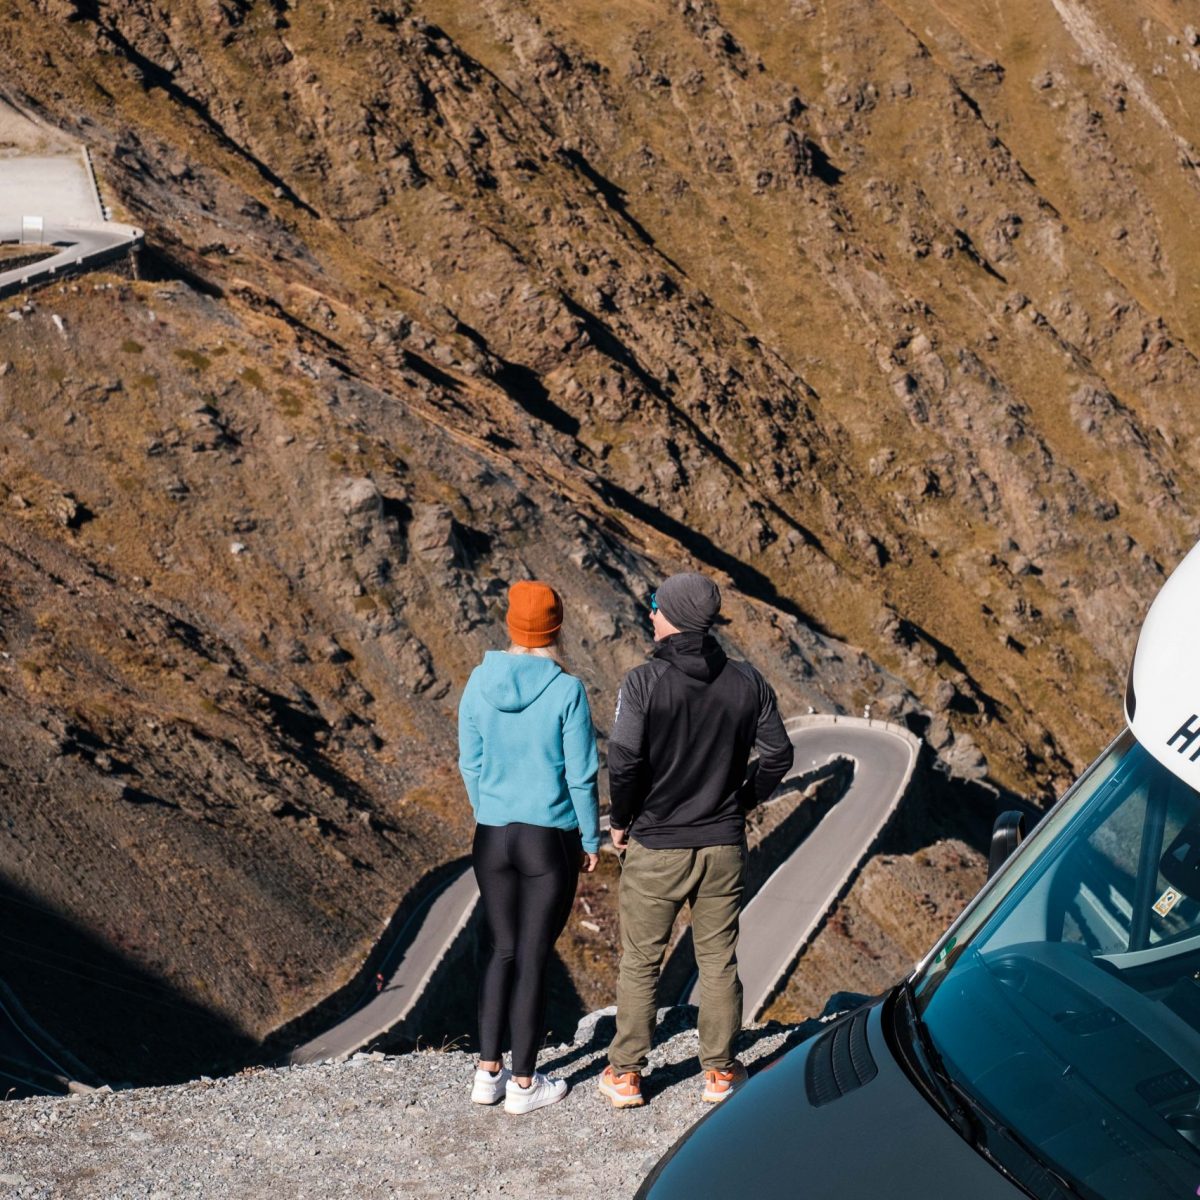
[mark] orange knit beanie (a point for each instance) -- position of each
(535, 613)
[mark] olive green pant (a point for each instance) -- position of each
(655, 884)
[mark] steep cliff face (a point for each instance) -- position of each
(881, 315)
(243, 588)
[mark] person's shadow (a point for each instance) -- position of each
(594, 1035)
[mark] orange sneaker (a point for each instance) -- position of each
(720, 1085)
(625, 1091)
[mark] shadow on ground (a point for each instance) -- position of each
(587, 1058)
(124, 1022)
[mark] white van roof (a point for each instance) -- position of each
(1162, 702)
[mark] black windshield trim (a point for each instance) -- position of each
(918, 1057)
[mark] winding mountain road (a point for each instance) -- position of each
(415, 954)
(776, 924)
(52, 201)
(785, 912)
(78, 246)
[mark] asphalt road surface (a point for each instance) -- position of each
(74, 243)
(56, 187)
(417, 950)
(775, 925)
(60, 191)
(785, 912)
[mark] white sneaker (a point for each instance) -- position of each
(541, 1091)
(489, 1088)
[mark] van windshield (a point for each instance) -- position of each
(1067, 1003)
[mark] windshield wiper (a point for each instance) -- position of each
(974, 1122)
(933, 1074)
(1011, 1136)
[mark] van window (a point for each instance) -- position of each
(1104, 879)
(1068, 1004)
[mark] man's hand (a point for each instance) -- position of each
(620, 837)
(590, 861)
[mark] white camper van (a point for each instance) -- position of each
(1049, 1045)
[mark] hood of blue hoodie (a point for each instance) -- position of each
(512, 682)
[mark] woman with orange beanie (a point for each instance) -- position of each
(527, 753)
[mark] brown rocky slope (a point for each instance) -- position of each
(881, 313)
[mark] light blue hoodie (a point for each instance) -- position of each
(526, 747)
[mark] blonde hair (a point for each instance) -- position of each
(552, 651)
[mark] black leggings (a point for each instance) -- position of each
(526, 876)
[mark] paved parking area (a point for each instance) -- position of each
(56, 188)
(59, 189)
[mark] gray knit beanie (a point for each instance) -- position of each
(690, 601)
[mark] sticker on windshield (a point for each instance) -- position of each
(1167, 901)
(941, 955)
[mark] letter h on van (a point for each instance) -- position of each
(1189, 731)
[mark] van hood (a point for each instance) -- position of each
(870, 1133)
(512, 682)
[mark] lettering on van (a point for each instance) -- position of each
(1186, 734)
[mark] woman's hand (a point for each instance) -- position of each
(590, 861)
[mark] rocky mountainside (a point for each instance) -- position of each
(882, 314)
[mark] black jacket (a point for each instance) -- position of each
(686, 723)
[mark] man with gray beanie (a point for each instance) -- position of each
(685, 725)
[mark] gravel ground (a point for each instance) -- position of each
(376, 1126)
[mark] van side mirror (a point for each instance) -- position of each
(1007, 834)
